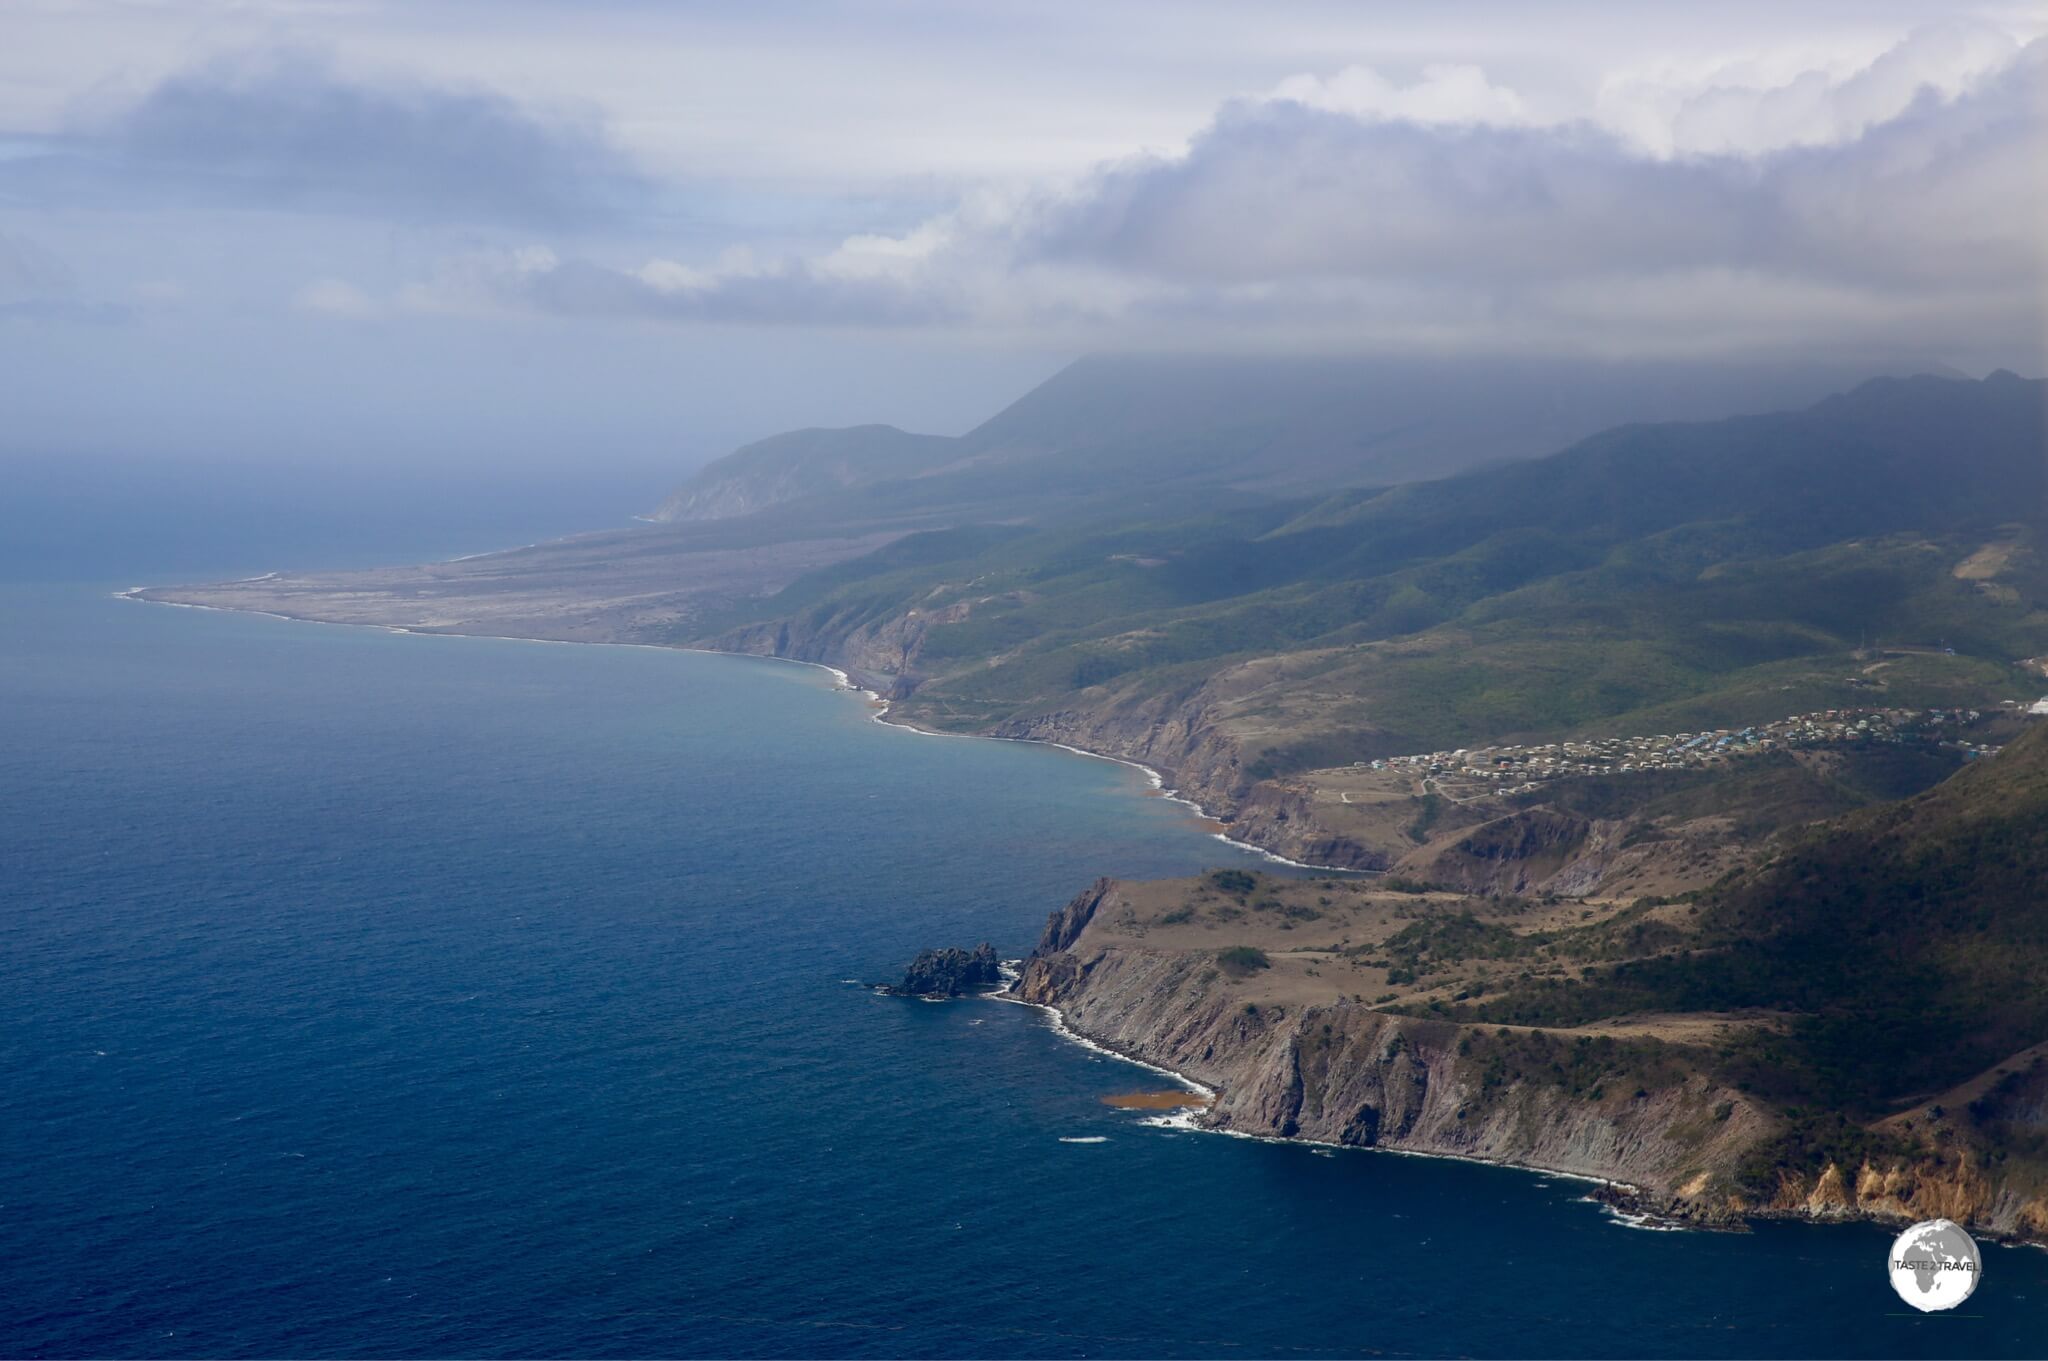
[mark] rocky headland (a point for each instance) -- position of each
(1321, 1030)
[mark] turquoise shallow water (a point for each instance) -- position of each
(367, 994)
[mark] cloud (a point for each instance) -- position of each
(1736, 109)
(1365, 213)
(792, 291)
(290, 131)
(1276, 192)
(1445, 94)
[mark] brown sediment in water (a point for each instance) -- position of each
(1202, 820)
(1155, 1101)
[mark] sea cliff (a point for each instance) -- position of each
(1647, 1116)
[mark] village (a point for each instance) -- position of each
(1515, 769)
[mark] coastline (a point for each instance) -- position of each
(1615, 1205)
(1630, 1204)
(1621, 1201)
(880, 710)
(1057, 1020)
(1155, 779)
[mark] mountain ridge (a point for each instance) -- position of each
(1267, 426)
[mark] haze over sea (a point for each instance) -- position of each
(369, 994)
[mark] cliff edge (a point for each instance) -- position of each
(1344, 1012)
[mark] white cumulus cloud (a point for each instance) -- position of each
(1896, 203)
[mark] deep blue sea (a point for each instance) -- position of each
(364, 994)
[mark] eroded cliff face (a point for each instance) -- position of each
(1544, 850)
(1339, 1072)
(1280, 817)
(1185, 738)
(1175, 734)
(1955, 1185)
(1977, 1162)
(1522, 853)
(1334, 1070)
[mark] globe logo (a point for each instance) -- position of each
(1934, 1265)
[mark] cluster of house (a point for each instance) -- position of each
(1518, 767)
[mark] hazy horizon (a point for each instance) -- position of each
(622, 239)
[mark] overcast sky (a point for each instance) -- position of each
(631, 233)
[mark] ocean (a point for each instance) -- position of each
(366, 994)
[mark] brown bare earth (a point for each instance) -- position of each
(1156, 1101)
(1350, 939)
(1988, 561)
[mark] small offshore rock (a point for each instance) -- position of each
(950, 972)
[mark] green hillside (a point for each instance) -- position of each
(1669, 575)
(1904, 946)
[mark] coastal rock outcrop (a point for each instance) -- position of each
(1065, 926)
(1343, 1073)
(1640, 1104)
(950, 972)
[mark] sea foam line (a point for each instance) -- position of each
(1057, 1023)
(842, 681)
(1153, 778)
(1189, 1120)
